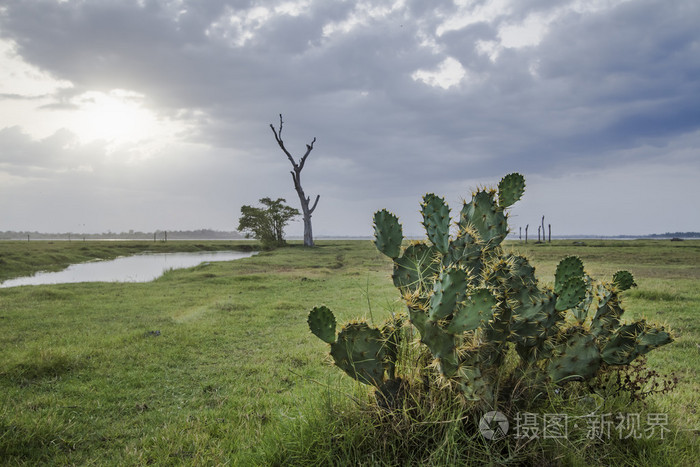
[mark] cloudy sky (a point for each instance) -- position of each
(155, 114)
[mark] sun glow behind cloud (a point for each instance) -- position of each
(117, 116)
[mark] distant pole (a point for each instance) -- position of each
(520, 230)
(526, 227)
(550, 232)
(539, 228)
(542, 229)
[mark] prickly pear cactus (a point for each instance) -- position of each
(471, 303)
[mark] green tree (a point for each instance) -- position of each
(267, 223)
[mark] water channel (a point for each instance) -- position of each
(137, 268)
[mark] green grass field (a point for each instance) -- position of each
(215, 364)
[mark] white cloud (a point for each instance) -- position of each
(491, 49)
(236, 28)
(524, 34)
(471, 12)
(363, 13)
(447, 74)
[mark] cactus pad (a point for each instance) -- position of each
(633, 340)
(486, 218)
(449, 293)
(391, 336)
(359, 353)
(607, 317)
(322, 323)
(416, 269)
(522, 274)
(465, 252)
(442, 346)
(578, 359)
(477, 310)
(388, 233)
(436, 220)
(623, 280)
(652, 338)
(510, 189)
(580, 311)
(571, 293)
(620, 348)
(569, 267)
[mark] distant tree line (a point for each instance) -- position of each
(676, 234)
(201, 234)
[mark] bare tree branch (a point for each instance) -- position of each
(315, 203)
(278, 138)
(309, 148)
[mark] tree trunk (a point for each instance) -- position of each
(308, 233)
(305, 209)
(296, 177)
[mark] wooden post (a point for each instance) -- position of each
(520, 230)
(542, 229)
(550, 232)
(526, 227)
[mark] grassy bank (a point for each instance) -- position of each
(215, 364)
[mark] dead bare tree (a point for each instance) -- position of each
(296, 176)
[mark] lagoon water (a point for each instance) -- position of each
(137, 268)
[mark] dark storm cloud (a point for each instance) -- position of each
(600, 81)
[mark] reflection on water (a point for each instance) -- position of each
(137, 268)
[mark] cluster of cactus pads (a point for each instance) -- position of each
(471, 302)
